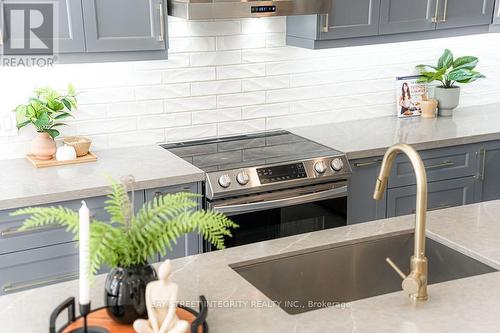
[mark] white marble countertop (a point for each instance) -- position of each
(371, 137)
(152, 166)
(465, 305)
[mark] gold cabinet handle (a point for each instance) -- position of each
(445, 12)
(14, 231)
(16, 286)
(369, 163)
(440, 165)
(498, 13)
(162, 23)
(436, 13)
(326, 23)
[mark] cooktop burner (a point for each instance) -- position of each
(248, 150)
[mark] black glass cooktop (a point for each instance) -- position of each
(248, 150)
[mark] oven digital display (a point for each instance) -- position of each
(281, 173)
(263, 9)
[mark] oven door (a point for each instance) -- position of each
(284, 213)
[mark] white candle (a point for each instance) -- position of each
(84, 254)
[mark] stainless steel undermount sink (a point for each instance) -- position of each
(329, 275)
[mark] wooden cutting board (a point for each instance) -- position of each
(90, 157)
(101, 318)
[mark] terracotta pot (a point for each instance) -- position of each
(43, 146)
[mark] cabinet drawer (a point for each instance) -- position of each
(35, 268)
(12, 240)
(440, 164)
(443, 194)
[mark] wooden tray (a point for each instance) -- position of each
(90, 157)
(101, 318)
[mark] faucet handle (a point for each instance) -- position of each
(411, 283)
(396, 268)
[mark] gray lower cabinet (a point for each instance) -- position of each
(440, 164)
(361, 207)
(124, 25)
(397, 16)
(490, 170)
(188, 244)
(13, 240)
(43, 256)
(464, 13)
(38, 267)
(442, 194)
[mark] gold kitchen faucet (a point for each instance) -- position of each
(415, 283)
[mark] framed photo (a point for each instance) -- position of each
(409, 94)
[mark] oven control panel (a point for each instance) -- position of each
(281, 173)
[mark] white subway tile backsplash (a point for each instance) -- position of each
(215, 87)
(240, 71)
(191, 104)
(234, 76)
(215, 58)
(232, 100)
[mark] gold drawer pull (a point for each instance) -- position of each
(440, 165)
(14, 231)
(436, 13)
(369, 163)
(16, 286)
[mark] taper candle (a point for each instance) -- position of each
(84, 240)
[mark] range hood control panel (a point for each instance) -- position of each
(263, 9)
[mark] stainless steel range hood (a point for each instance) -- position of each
(223, 9)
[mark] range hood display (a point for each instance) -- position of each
(223, 9)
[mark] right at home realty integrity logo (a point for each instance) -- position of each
(27, 33)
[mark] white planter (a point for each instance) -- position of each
(448, 99)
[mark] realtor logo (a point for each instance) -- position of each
(28, 33)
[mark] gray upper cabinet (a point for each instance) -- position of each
(69, 36)
(351, 18)
(496, 13)
(124, 25)
(464, 13)
(489, 169)
(397, 16)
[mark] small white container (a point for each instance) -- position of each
(66, 153)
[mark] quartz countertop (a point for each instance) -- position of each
(152, 166)
(464, 305)
(371, 137)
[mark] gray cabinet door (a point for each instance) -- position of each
(351, 18)
(490, 171)
(397, 16)
(69, 35)
(464, 13)
(124, 25)
(496, 13)
(188, 244)
(361, 207)
(443, 194)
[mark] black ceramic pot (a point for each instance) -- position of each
(125, 292)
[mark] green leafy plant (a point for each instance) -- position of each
(128, 240)
(449, 71)
(46, 110)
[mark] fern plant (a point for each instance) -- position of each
(127, 239)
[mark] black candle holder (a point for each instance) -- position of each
(85, 309)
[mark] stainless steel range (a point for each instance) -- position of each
(273, 184)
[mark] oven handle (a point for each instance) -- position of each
(278, 203)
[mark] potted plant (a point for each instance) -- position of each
(449, 71)
(128, 241)
(45, 111)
